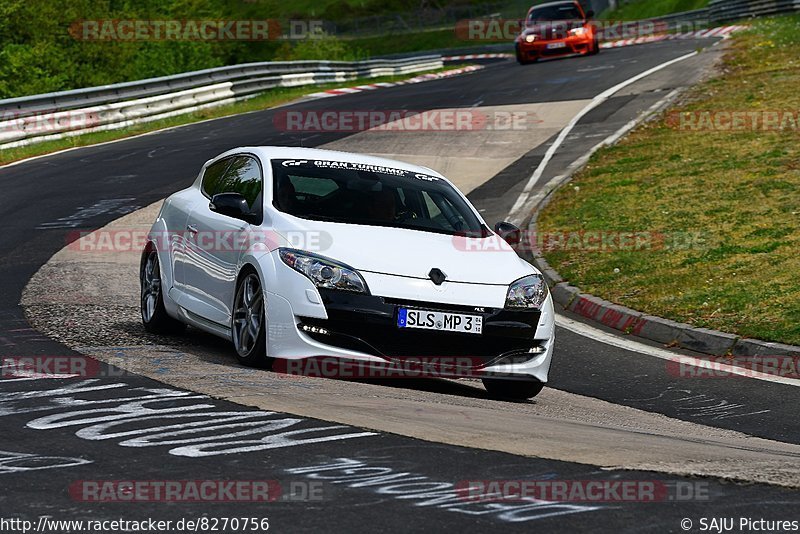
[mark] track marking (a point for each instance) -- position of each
(626, 343)
(629, 344)
(523, 198)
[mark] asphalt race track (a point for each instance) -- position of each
(57, 432)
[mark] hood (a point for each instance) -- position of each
(413, 253)
(557, 29)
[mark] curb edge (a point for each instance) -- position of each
(629, 321)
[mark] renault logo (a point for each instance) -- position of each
(437, 276)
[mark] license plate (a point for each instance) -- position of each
(553, 46)
(436, 320)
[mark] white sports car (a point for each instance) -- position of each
(297, 253)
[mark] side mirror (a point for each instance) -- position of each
(510, 233)
(590, 14)
(233, 205)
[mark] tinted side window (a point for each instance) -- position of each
(212, 178)
(244, 177)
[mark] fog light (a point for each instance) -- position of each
(314, 329)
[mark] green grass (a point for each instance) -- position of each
(646, 9)
(346, 9)
(38, 54)
(265, 100)
(734, 196)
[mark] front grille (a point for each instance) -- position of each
(472, 310)
(557, 51)
(394, 342)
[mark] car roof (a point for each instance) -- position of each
(281, 152)
(553, 4)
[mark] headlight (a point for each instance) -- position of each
(323, 271)
(528, 293)
(577, 31)
(530, 38)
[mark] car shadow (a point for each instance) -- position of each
(212, 349)
(432, 382)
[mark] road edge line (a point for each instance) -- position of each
(633, 322)
(524, 198)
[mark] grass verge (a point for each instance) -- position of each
(268, 99)
(717, 210)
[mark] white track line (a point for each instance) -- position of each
(610, 140)
(523, 198)
(628, 344)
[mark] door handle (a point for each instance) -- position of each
(192, 228)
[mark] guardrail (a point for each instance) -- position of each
(37, 118)
(719, 11)
(728, 10)
(677, 21)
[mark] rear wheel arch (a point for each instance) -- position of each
(164, 263)
(155, 317)
(149, 247)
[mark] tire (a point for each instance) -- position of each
(151, 303)
(248, 330)
(520, 59)
(513, 389)
(595, 48)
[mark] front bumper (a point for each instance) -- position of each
(364, 327)
(545, 48)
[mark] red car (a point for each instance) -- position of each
(556, 29)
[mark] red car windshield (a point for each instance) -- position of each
(564, 12)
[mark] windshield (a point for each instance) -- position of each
(562, 12)
(354, 193)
